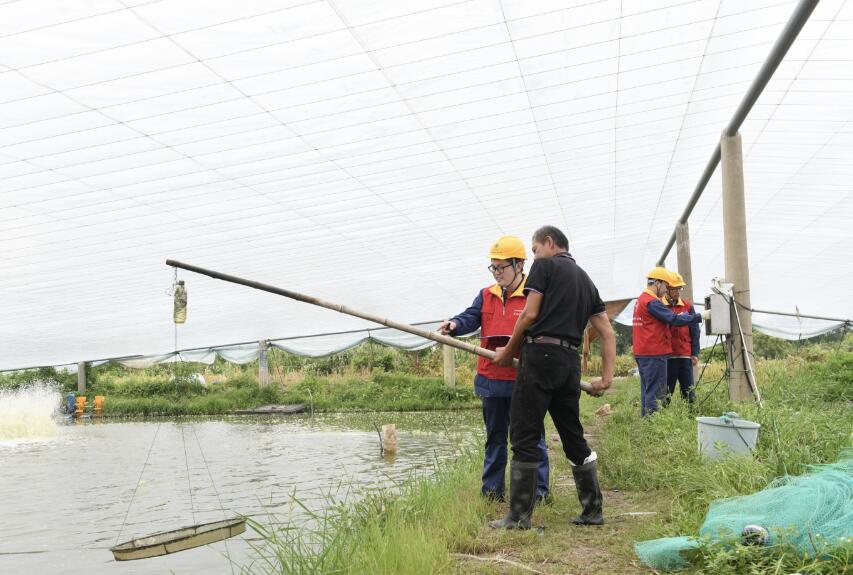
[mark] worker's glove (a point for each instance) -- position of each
(706, 314)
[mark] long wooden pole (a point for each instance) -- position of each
(424, 333)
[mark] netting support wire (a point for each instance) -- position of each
(215, 491)
(187, 465)
(777, 53)
(750, 374)
(797, 315)
(138, 480)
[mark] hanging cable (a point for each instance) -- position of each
(178, 292)
(138, 481)
(215, 491)
(187, 465)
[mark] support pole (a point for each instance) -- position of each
(777, 53)
(263, 367)
(685, 268)
(449, 365)
(685, 265)
(737, 263)
(81, 377)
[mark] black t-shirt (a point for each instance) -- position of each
(569, 298)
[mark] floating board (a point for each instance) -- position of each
(178, 540)
(273, 410)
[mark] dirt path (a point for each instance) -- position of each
(559, 547)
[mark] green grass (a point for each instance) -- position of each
(645, 465)
(382, 391)
(389, 532)
(145, 394)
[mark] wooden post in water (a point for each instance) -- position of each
(449, 365)
(81, 377)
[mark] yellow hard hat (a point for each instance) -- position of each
(659, 273)
(507, 248)
(675, 280)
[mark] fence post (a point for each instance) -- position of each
(81, 377)
(449, 365)
(263, 368)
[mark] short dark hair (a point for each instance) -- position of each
(560, 239)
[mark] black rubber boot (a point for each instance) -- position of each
(522, 497)
(589, 494)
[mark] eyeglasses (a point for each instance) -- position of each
(498, 269)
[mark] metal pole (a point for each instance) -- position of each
(449, 365)
(737, 264)
(777, 53)
(81, 377)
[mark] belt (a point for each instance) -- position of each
(552, 340)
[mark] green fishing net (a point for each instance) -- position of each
(811, 512)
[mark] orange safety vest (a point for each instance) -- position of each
(497, 320)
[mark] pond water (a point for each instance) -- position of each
(64, 498)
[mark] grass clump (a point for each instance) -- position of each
(408, 530)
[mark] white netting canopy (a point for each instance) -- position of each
(369, 152)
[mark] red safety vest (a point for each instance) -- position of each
(497, 320)
(651, 336)
(681, 334)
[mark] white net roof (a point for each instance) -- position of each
(369, 152)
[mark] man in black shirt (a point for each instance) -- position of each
(560, 300)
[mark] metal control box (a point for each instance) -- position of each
(720, 322)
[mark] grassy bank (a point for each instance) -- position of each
(376, 391)
(650, 466)
(370, 377)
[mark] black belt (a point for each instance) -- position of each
(552, 340)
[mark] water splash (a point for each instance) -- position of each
(29, 412)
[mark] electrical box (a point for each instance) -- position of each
(720, 322)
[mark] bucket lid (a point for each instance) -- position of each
(732, 422)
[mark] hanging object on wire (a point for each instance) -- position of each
(180, 312)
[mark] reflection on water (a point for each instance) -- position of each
(64, 501)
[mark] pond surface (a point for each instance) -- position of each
(63, 500)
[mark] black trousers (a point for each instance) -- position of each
(548, 381)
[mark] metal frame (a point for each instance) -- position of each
(792, 29)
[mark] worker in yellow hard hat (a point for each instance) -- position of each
(652, 337)
(561, 300)
(495, 311)
(685, 343)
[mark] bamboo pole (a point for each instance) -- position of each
(424, 333)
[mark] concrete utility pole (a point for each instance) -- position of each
(685, 268)
(449, 365)
(81, 377)
(263, 368)
(737, 263)
(685, 265)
